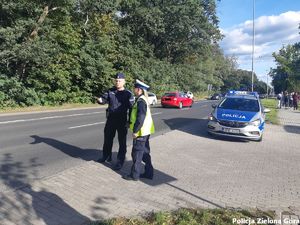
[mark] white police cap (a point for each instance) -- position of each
(142, 85)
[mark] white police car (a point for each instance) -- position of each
(240, 114)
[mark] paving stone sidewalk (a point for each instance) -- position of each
(289, 116)
(192, 170)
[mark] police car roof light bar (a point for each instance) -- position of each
(233, 92)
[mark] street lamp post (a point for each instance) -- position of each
(267, 85)
(253, 44)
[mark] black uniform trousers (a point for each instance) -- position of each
(115, 123)
(141, 153)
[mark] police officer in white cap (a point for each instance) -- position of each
(142, 126)
(120, 101)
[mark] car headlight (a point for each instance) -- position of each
(212, 118)
(255, 122)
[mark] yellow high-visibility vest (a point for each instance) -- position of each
(148, 125)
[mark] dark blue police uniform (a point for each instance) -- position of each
(119, 102)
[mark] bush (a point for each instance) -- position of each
(28, 97)
(3, 100)
(10, 89)
(79, 97)
(56, 98)
(13, 94)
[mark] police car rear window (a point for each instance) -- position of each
(241, 104)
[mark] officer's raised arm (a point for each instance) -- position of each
(103, 99)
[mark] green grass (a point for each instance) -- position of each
(192, 217)
(271, 117)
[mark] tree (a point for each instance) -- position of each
(57, 51)
(242, 80)
(286, 76)
(176, 30)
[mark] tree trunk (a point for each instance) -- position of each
(42, 18)
(32, 36)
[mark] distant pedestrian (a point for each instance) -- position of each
(295, 100)
(142, 126)
(119, 102)
(285, 99)
(279, 99)
(291, 99)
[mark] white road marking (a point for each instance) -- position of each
(86, 125)
(92, 124)
(49, 117)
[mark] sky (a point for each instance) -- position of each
(276, 25)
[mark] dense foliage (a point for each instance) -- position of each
(58, 51)
(286, 76)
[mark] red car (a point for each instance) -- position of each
(176, 99)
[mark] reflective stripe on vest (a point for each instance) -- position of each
(148, 125)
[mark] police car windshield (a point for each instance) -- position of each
(241, 104)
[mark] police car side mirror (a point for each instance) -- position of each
(214, 105)
(267, 110)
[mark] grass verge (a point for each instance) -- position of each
(196, 217)
(45, 108)
(271, 117)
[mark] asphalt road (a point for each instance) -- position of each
(55, 141)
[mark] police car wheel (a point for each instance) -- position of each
(180, 105)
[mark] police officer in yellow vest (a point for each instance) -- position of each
(142, 126)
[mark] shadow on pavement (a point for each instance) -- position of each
(97, 209)
(71, 150)
(197, 127)
(26, 205)
(292, 129)
(189, 125)
(92, 154)
(196, 196)
(159, 176)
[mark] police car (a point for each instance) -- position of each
(240, 115)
